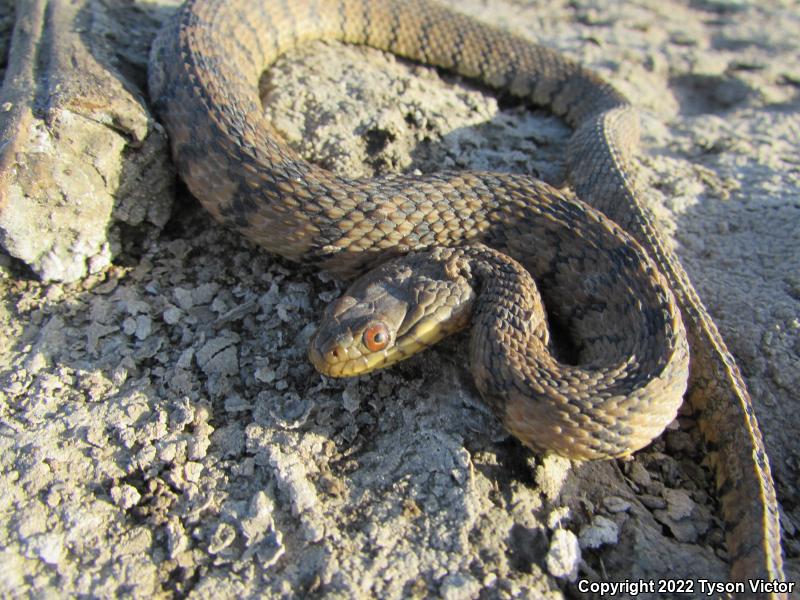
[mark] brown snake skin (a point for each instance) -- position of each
(633, 358)
(204, 73)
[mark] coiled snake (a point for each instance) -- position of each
(605, 288)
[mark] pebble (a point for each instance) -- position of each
(615, 504)
(193, 471)
(204, 294)
(183, 298)
(223, 536)
(602, 530)
(49, 547)
(143, 327)
(639, 474)
(459, 585)
(218, 356)
(679, 504)
(129, 326)
(172, 315)
(564, 555)
(125, 496)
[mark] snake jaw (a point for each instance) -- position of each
(344, 354)
(347, 356)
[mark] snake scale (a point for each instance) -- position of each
(204, 73)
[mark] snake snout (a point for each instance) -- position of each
(327, 352)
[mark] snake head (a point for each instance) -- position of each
(393, 312)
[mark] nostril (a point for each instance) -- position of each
(335, 353)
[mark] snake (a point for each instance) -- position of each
(505, 254)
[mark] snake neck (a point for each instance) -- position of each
(539, 397)
(505, 293)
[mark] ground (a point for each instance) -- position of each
(163, 432)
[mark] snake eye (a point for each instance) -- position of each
(376, 337)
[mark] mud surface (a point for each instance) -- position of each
(162, 432)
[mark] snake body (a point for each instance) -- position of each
(204, 74)
(633, 356)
